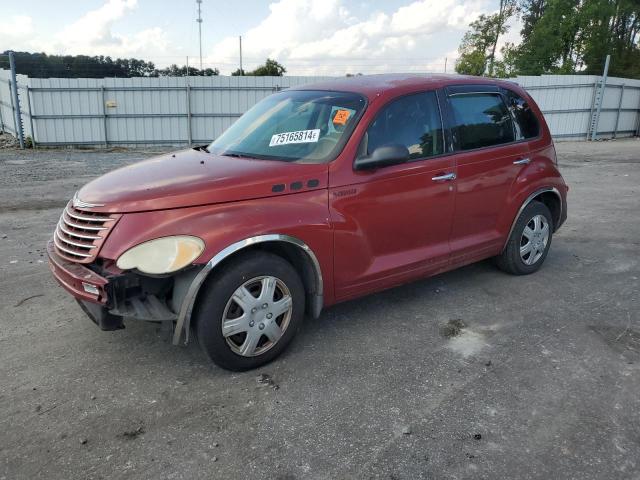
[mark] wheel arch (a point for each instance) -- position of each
(292, 249)
(551, 197)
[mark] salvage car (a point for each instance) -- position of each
(318, 194)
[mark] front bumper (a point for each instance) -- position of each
(108, 300)
(78, 280)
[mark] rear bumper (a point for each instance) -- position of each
(77, 279)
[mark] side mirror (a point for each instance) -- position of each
(383, 157)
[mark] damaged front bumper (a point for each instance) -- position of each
(110, 297)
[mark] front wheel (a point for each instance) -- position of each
(529, 242)
(250, 310)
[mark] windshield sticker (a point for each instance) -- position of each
(341, 117)
(301, 136)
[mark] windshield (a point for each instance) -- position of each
(293, 126)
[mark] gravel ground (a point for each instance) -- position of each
(470, 374)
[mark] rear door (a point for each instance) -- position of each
(488, 158)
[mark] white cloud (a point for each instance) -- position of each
(17, 33)
(91, 34)
(312, 37)
(17, 26)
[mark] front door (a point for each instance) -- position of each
(392, 224)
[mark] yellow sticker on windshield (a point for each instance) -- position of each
(341, 117)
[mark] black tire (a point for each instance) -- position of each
(510, 260)
(217, 292)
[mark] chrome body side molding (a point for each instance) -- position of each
(186, 309)
(527, 202)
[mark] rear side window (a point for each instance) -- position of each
(413, 121)
(527, 125)
(481, 120)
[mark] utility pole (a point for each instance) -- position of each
(445, 64)
(199, 20)
(241, 71)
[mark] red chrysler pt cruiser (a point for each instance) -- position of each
(316, 195)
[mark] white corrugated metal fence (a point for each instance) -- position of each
(195, 110)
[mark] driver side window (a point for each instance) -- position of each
(412, 121)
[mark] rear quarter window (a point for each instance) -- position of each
(527, 125)
(481, 120)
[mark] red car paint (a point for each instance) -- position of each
(369, 229)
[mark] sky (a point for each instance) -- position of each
(309, 37)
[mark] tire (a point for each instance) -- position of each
(511, 260)
(250, 339)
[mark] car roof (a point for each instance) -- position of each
(372, 85)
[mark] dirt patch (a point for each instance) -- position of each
(452, 328)
(265, 380)
(625, 341)
(8, 141)
(134, 433)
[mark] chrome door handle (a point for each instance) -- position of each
(523, 161)
(446, 177)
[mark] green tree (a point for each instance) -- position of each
(554, 42)
(575, 36)
(271, 68)
(41, 65)
(506, 11)
(176, 71)
(478, 47)
(530, 12)
(506, 67)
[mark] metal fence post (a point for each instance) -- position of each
(13, 109)
(15, 100)
(104, 117)
(600, 99)
(615, 128)
(33, 132)
(593, 106)
(189, 113)
(1, 119)
(637, 134)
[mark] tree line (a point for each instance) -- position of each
(557, 37)
(41, 65)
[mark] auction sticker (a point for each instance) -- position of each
(341, 117)
(301, 136)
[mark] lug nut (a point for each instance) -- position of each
(265, 305)
(261, 326)
(254, 310)
(269, 315)
(251, 323)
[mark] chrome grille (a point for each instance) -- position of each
(80, 233)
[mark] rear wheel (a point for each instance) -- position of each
(250, 311)
(529, 242)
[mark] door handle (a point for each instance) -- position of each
(522, 161)
(444, 178)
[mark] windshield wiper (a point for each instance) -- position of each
(237, 155)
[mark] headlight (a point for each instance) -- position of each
(162, 255)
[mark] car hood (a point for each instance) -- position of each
(195, 177)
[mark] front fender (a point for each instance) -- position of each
(303, 216)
